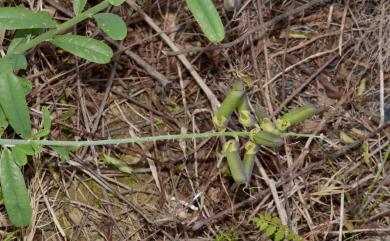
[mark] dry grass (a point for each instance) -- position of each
(322, 189)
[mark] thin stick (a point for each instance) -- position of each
(381, 71)
(341, 225)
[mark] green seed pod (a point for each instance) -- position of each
(366, 156)
(244, 112)
(295, 116)
(229, 104)
(249, 159)
(361, 89)
(266, 138)
(232, 152)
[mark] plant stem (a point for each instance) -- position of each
(62, 27)
(7, 142)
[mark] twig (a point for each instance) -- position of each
(342, 28)
(341, 224)
(381, 68)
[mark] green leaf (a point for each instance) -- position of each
(27, 149)
(279, 235)
(122, 166)
(63, 151)
(26, 85)
(46, 124)
(23, 18)
(19, 156)
(14, 104)
(262, 226)
(3, 122)
(78, 6)
(276, 221)
(6, 65)
(293, 236)
(297, 238)
(268, 217)
(112, 25)
(19, 61)
(16, 198)
(84, 47)
(270, 230)
(21, 37)
(208, 18)
(116, 2)
(20, 153)
(13, 62)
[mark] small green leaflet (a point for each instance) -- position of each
(14, 105)
(21, 37)
(20, 158)
(78, 6)
(116, 2)
(19, 61)
(16, 198)
(23, 18)
(63, 151)
(208, 18)
(13, 62)
(46, 124)
(279, 235)
(26, 149)
(112, 25)
(122, 166)
(270, 231)
(84, 47)
(20, 153)
(26, 85)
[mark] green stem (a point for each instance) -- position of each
(5, 142)
(62, 27)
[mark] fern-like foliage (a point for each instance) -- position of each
(226, 237)
(273, 227)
